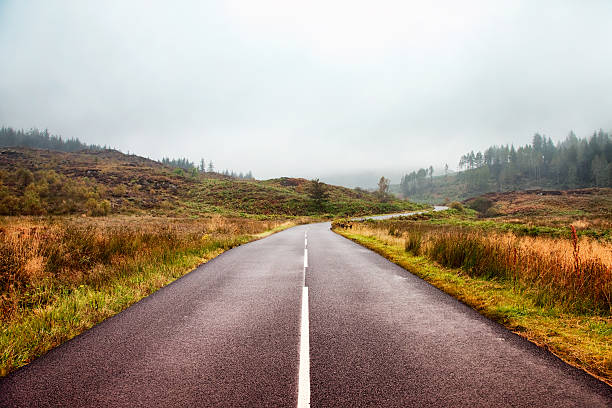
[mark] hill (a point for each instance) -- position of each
(570, 164)
(35, 138)
(101, 182)
(589, 210)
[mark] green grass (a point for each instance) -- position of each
(580, 339)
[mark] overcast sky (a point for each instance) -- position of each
(307, 88)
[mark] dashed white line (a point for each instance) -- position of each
(304, 370)
(304, 375)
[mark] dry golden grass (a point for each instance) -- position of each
(578, 280)
(72, 251)
(60, 277)
(530, 305)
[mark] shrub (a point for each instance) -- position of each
(31, 201)
(481, 204)
(23, 177)
(97, 208)
(456, 205)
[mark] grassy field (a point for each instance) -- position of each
(554, 289)
(62, 276)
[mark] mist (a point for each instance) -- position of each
(307, 89)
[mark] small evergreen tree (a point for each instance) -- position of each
(318, 193)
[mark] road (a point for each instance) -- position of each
(303, 316)
(387, 216)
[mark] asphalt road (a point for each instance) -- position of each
(387, 216)
(231, 333)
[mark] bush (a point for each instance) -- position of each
(492, 212)
(97, 208)
(31, 201)
(481, 204)
(456, 205)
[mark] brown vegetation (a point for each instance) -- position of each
(585, 208)
(61, 277)
(99, 182)
(37, 256)
(578, 335)
(572, 275)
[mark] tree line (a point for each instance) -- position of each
(572, 163)
(416, 181)
(38, 139)
(189, 166)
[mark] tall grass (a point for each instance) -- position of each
(58, 278)
(73, 252)
(574, 274)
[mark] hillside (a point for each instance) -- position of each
(100, 182)
(569, 164)
(589, 210)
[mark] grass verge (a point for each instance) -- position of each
(60, 278)
(581, 340)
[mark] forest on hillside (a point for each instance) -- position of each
(572, 163)
(38, 139)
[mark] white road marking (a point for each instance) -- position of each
(304, 376)
(304, 371)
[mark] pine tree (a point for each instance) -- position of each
(317, 192)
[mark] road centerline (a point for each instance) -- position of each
(304, 365)
(304, 372)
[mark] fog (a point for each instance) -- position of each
(309, 89)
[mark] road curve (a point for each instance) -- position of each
(394, 215)
(228, 334)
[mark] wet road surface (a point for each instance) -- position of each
(242, 331)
